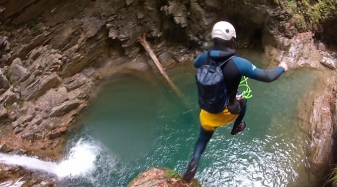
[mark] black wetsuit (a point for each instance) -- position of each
(233, 72)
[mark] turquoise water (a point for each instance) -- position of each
(137, 122)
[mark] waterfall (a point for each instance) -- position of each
(79, 161)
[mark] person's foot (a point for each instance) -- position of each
(239, 128)
(190, 172)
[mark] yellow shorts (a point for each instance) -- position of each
(211, 121)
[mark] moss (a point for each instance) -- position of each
(292, 5)
(7, 73)
(300, 22)
(311, 12)
(3, 33)
(8, 105)
(33, 26)
(3, 131)
(22, 102)
(172, 174)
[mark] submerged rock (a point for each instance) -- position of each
(161, 177)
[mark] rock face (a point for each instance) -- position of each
(54, 53)
(161, 177)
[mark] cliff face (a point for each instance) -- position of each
(53, 53)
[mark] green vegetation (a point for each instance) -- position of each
(33, 26)
(292, 5)
(333, 176)
(22, 102)
(7, 73)
(172, 174)
(16, 84)
(3, 131)
(3, 32)
(309, 14)
(8, 105)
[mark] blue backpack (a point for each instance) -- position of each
(212, 91)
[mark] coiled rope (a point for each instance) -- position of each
(246, 94)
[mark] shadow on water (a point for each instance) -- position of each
(139, 122)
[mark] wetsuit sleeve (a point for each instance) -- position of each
(199, 60)
(247, 69)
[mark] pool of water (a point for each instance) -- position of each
(137, 121)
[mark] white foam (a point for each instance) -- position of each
(80, 161)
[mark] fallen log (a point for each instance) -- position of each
(142, 40)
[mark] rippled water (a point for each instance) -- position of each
(139, 122)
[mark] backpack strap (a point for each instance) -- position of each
(213, 62)
(225, 62)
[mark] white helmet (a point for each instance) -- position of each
(223, 30)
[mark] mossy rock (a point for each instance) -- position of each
(161, 177)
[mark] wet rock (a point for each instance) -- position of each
(329, 63)
(328, 60)
(57, 133)
(64, 108)
(321, 135)
(4, 148)
(160, 177)
(78, 94)
(296, 52)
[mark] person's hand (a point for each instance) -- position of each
(284, 66)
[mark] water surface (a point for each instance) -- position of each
(137, 122)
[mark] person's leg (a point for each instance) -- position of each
(199, 148)
(240, 125)
(201, 143)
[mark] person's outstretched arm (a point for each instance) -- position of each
(199, 60)
(247, 69)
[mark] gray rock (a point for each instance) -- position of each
(22, 120)
(37, 120)
(4, 148)
(52, 98)
(299, 51)
(9, 98)
(40, 86)
(17, 72)
(4, 44)
(51, 123)
(48, 62)
(4, 83)
(329, 63)
(3, 114)
(75, 81)
(18, 129)
(57, 133)
(64, 108)
(30, 136)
